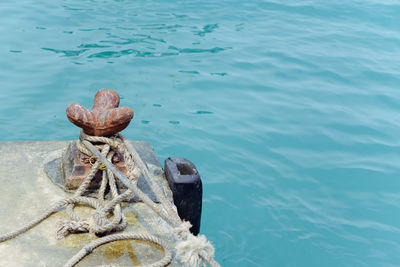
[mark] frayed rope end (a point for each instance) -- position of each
(192, 250)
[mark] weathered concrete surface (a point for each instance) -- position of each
(26, 191)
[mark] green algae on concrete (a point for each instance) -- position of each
(26, 191)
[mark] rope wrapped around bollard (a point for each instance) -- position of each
(192, 250)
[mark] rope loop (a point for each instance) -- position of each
(192, 250)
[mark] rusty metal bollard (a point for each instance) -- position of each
(105, 118)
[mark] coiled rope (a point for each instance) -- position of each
(192, 250)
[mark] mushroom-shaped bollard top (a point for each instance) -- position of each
(105, 118)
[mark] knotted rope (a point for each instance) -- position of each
(192, 250)
(99, 223)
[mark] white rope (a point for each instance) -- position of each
(192, 250)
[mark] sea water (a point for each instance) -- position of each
(289, 109)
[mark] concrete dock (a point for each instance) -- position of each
(26, 191)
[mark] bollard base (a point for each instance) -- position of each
(68, 171)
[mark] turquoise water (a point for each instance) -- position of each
(289, 109)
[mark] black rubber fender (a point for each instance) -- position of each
(185, 183)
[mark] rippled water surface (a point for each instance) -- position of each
(289, 109)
